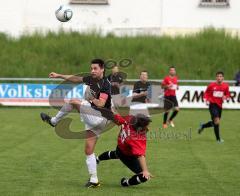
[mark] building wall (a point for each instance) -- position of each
(120, 16)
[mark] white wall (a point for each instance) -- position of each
(120, 16)
(187, 14)
(11, 16)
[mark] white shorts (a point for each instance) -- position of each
(116, 100)
(92, 118)
(142, 108)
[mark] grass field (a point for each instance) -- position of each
(35, 161)
(196, 56)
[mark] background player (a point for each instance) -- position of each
(140, 89)
(214, 95)
(170, 85)
(91, 114)
(116, 80)
(131, 147)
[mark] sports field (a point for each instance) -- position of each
(35, 161)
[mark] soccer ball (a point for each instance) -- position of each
(64, 13)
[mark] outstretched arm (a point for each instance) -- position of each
(71, 78)
(143, 164)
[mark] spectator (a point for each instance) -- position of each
(237, 78)
(115, 79)
(140, 89)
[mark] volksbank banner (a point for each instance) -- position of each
(38, 94)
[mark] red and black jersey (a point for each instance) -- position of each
(173, 81)
(217, 93)
(101, 88)
(130, 141)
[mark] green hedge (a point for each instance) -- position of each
(196, 57)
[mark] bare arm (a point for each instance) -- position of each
(99, 102)
(71, 78)
(136, 95)
(143, 164)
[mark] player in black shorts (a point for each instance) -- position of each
(170, 85)
(215, 94)
(131, 148)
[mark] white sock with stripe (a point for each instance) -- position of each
(92, 167)
(67, 108)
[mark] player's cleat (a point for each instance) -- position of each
(97, 160)
(46, 118)
(220, 141)
(92, 184)
(165, 126)
(170, 122)
(124, 182)
(200, 129)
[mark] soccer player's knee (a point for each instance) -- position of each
(216, 121)
(177, 109)
(88, 151)
(75, 102)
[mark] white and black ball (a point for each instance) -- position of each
(64, 13)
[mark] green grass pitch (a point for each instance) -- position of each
(35, 161)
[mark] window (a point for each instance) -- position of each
(104, 2)
(214, 3)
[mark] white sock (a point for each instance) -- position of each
(63, 112)
(92, 167)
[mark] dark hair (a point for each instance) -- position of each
(172, 67)
(100, 62)
(140, 121)
(220, 73)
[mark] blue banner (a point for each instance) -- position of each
(40, 91)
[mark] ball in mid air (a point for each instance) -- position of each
(64, 13)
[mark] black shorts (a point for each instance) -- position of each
(130, 161)
(170, 102)
(215, 111)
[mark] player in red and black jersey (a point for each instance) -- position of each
(170, 85)
(215, 94)
(131, 147)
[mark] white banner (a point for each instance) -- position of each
(192, 97)
(38, 95)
